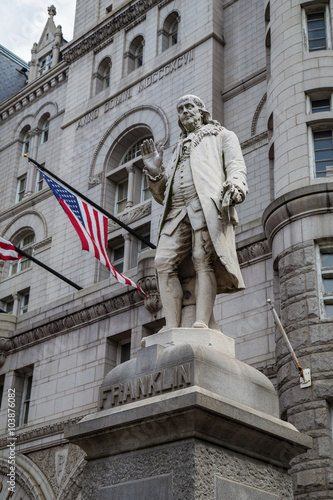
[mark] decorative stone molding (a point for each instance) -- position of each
(163, 3)
(131, 215)
(255, 142)
(35, 90)
(40, 244)
(73, 484)
(138, 21)
(124, 20)
(35, 132)
(12, 227)
(257, 113)
(5, 345)
(253, 251)
(95, 180)
(41, 432)
(105, 143)
(30, 492)
(72, 321)
(244, 85)
(106, 42)
(150, 286)
(57, 463)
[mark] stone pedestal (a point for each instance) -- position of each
(186, 420)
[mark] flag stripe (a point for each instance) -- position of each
(100, 237)
(7, 250)
(91, 226)
(77, 226)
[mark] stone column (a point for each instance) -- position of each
(130, 193)
(16, 304)
(33, 64)
(31, 174)
(127, 250)
(56, 46)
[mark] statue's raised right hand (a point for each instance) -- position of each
(151, 157)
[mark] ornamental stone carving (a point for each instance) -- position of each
(126, 19)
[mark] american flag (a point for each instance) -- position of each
(7, 251)
(91, 226)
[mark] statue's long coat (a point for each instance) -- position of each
(215, 158)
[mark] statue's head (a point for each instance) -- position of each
(197, 109)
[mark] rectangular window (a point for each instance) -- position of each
(326, 258)
(320, 105)
(323, 153)
(24, 302)
(39, 182)
(124, 352)
(45, 132)
(121, 196)
(117, 258)
(145, 191)
(25, 244)
(26, 399)
(21, 186)
(8, 306)
(316, 31)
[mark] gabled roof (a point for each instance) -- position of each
(47, 37)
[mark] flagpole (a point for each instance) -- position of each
(105, 212)
(290, 347)
(39, 263)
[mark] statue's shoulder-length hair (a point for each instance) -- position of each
(206, 116)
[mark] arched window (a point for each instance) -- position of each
(126, 187)
(103, 75)
(25, 243)
(135, 53)
(170, 31)
(45, 131)
(26, 142)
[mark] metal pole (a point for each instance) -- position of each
(105, 212)
(39, 263)
(279, 324)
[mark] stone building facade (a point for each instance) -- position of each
(262, 69)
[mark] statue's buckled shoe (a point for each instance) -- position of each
(199, 324)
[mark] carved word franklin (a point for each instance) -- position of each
(152, 384)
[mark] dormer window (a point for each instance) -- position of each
(46, 64)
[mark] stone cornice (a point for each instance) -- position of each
(244, 84)
(107, 28)
(24, 436)
(257, 141)
(253, 250)
(26, 204)
(131, 215)
(74, 319)
(34, 91)
(310, 200)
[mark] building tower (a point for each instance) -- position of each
(298, 223)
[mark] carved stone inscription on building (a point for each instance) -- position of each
(166, 70)
(124, 96)
(145, 386)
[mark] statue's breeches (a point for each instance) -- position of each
(173, 249)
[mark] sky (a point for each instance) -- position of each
(22, 23)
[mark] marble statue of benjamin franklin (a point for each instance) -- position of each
(204, 180)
